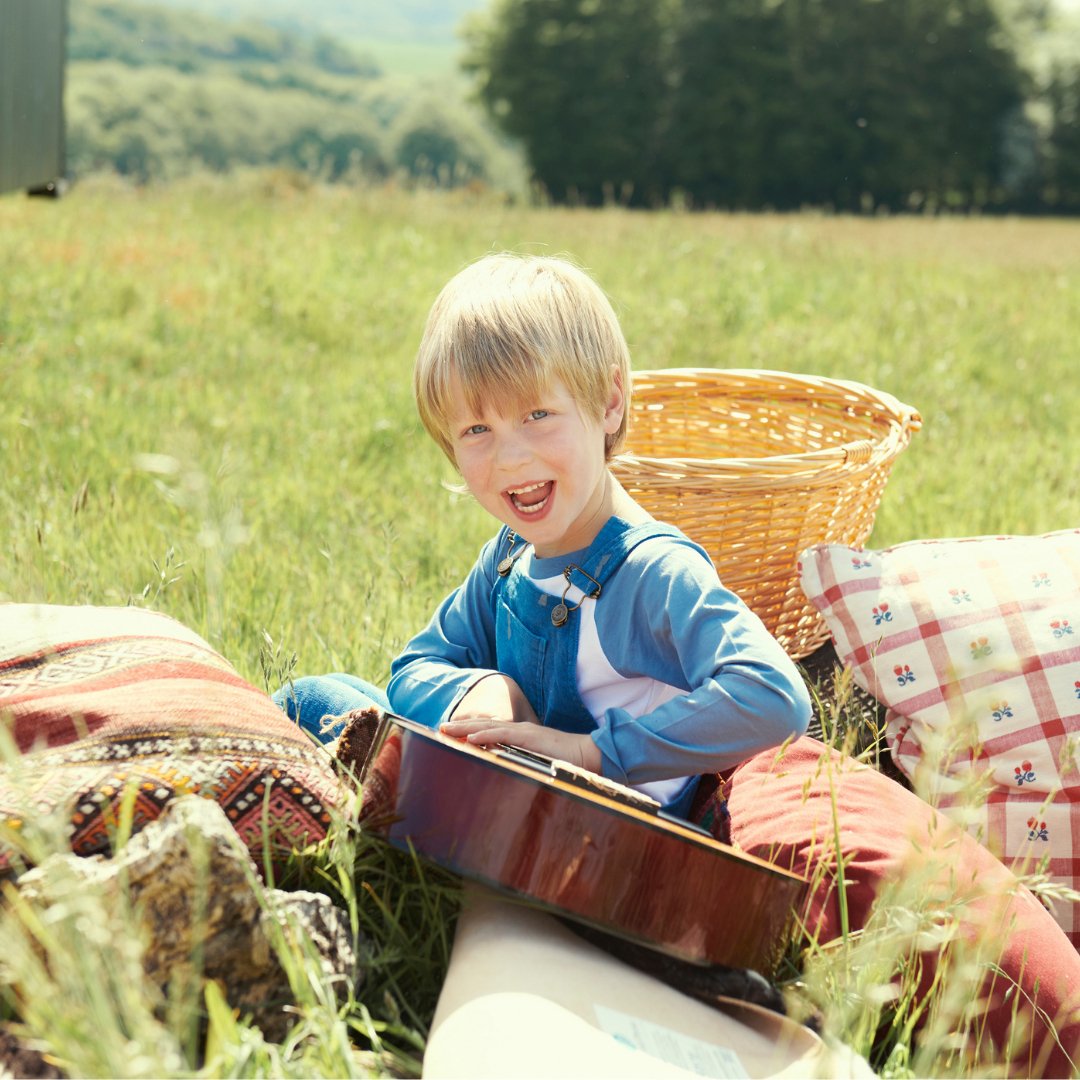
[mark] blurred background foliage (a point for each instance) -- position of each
(751, 104)
(156, 91)
(850, 105)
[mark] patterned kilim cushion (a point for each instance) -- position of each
(973, 645)
(102, 699)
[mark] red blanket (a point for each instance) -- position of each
(100, 701)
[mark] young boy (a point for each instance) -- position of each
(586, 630)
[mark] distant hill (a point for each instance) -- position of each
(407, 37)
(411, 21)
(156, 89)
(140, 34)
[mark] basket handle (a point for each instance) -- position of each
(858, 452)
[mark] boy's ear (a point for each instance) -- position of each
(616, 403)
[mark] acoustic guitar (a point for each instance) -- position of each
(577, 845)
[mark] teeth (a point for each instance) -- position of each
(517, 493)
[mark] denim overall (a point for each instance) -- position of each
(540, 656)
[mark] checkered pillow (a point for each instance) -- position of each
(973, 646)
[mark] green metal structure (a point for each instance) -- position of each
(33, 42)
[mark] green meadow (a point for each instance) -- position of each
(205, 400)
(216, 376)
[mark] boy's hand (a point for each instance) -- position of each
(495, 710)
(490, 731)
(495, 697)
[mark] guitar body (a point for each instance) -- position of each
(511, 823)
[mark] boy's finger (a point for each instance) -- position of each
(471, 723)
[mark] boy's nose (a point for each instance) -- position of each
(510, 452)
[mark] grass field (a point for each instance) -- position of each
(205, 403)
(259, 339)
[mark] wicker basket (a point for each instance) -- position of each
(757, 466)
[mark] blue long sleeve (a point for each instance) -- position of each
(680, 677)
(742, 693)
(452, 653)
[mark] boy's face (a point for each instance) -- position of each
(538, 466)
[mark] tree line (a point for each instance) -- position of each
(849, 104)
(854, 105)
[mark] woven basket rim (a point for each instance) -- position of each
(763, 377)
(849, 457)
(754, 515)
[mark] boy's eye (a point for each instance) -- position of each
(538, 414)
(476, 429)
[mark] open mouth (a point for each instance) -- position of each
(532, 498)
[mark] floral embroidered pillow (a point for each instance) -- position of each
(973, 647)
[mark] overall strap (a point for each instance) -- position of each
(612, 545)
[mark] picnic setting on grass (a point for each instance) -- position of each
(620, 732)
(539, 539)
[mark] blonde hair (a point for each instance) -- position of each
(507, 325)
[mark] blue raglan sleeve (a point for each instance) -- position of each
(452, 653)
(741, 691)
